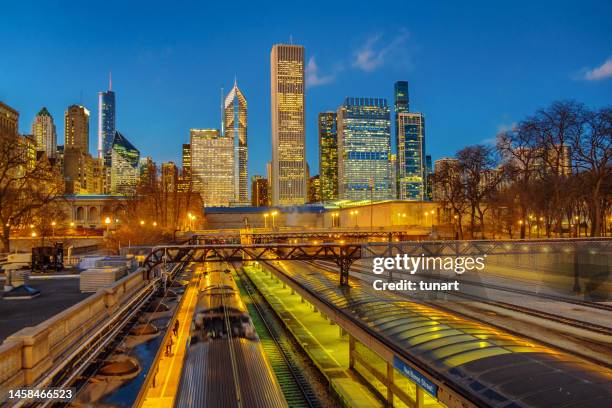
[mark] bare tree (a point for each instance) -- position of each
(592, 157)
(27, 186)
(480, 179)
(451, 192)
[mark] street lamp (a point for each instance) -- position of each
(155, 223)
(53, 224)
(266, 215)
(274, 213)
(33, 234)
(107, 221)
(335, 219)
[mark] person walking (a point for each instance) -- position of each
(175, 328)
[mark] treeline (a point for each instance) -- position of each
(551, 175)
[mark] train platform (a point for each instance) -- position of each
(162, 391)
(407, 349)
(324, 342)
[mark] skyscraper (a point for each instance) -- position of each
(328, 156)
(43, 131)
(314, 189)
(9, 120)
(402, 100)
(288, 125)
(428, 178)
(169, 177)
(393, 175)
(411, 156)
(76, 128)
(212, 166)
(106, 122)
(259, 192)
(186, 161)
(235, 127)
(364, 145)
(125, 171)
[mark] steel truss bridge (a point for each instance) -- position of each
(343, 255)
(331, 235)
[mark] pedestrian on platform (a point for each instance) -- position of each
(176, 327)
(169, 348)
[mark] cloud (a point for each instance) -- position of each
(374, 53)
(501, 128)
(313, 77)
(601, 72)
(504, 127)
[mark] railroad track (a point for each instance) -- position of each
(594, 305)
(516, 308)
(295, 386)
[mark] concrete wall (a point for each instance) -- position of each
(28, 354)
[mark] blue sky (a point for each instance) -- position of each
(473, 67)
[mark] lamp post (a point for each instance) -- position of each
(577, 218)
(266, 215)
(53, 224)
(274, 214)
(107, 221)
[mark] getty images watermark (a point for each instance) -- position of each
(405, 263)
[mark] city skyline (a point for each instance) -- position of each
(155, 104)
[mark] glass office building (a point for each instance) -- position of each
(411, 155)
(328, 156)
(364, 147)
(106, 124)
(125, 169)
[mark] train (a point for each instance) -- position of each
(225, 365)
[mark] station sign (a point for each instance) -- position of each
(415, 376)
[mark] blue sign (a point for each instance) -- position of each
(415, 376)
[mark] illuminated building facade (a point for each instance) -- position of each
(76, 128)
(260, 192)
(9, 120)
(428, 179)
(212, 167)
(411, 156)
(125, 171)
(328, 156)
(364, 146)
(235, 128)
(443, 165)
(169, 177)
(43, 131)
(314, 189)
(106, 123)
(393, 175)
(288, 125)
(82, 173)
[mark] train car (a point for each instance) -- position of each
(225, 365)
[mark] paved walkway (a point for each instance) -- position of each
(169, 367)
(322, 341)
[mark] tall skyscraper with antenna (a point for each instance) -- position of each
(235, 127)
(106, 122)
